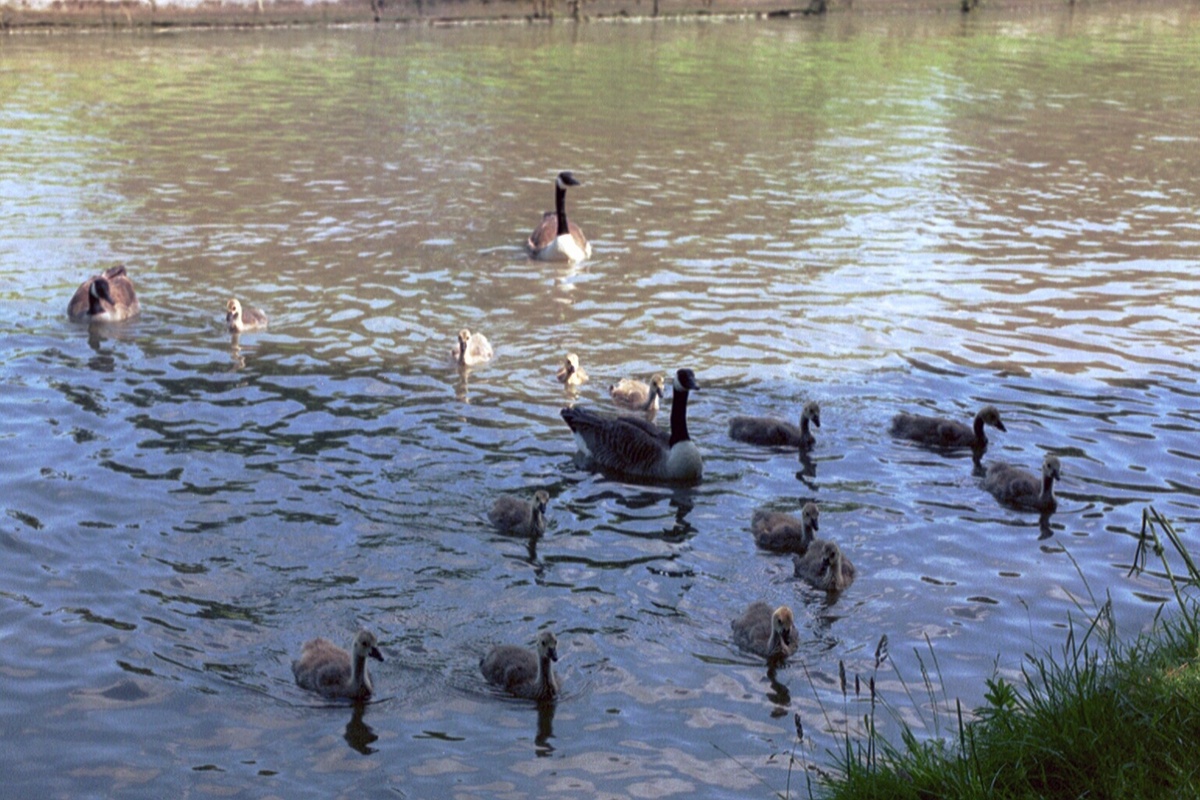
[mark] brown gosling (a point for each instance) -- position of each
(570, 374)
(636, 395)
(520, 517)
(521, 672)
(1022, 490)
(769, 431)
(825, 567)
(770, 634)
(947, 433)
(472, 349)
(328, 669)
(783, 533)
(239, 320)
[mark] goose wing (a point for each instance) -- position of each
(626, 444)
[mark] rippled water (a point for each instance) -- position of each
(879, 214)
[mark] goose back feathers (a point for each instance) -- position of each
(638, 449)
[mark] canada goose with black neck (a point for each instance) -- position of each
(556, 238)
(328, 669)
(107, 297)
(638, 449)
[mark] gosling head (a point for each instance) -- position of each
(658, 385)
(541, 498)
(570, 368)
(810, 518)
(233, 310)
(991, 416)
(811, 412)
(547, 645)
(565, 179)
(366, 645)
(1051, 468)
(685, 380)
(782, 622)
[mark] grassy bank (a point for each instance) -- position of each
(1100, 720)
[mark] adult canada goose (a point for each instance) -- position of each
(770, 634)
(1020, 489)
(524, 673)
(639, 449)
(556, 238)
(824, 566)
(238, 319)
(783, 533)
(570, 373)
(472, 349)
(638, 396)
(772, 431)
(941, 432)
(326, 668)
(107, 297)
(520, 517)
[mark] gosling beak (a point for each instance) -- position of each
(375, 654)
(1000, 426)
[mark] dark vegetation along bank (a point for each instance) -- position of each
(32, 15)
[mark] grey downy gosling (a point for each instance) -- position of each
(783, 533)
(472, 349)
(521, 672)
(107, 297)
(638, 449)
(824, 566)
(1021, 489)
(636, 395)
(570, 374)
(770, 634)
(556, 238)
(239, 320)
(947, 433)
(520, 517)
(775, 432)
(328, 669)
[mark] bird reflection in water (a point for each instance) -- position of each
(545, 727)
(358, 734)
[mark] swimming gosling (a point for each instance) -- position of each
(239, 320)
(570, 374)
(770, 634)
(520, 517)
(556, 238)
(524, 673)
(328, 669)
(947, 433)
(107, 297)
(825, 567)
(636, 395)
(472, 349)
(1020, 489)
(783, 533)
(770, 431)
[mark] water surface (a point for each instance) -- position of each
(879, 214)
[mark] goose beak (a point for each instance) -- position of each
(1000, 426)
